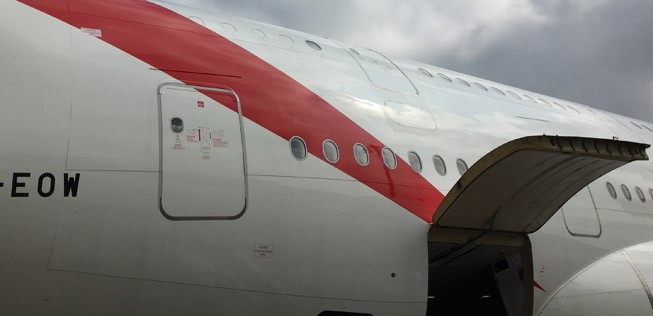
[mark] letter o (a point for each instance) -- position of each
(50, 190)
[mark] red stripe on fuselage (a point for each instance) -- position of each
(187, 51)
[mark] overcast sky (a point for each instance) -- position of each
(596, 52)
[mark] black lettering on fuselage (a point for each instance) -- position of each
(50, 185)
(15, 184)
(70, 185)
(45, 186)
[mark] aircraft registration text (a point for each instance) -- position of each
(22, 184)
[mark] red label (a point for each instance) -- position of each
(200, 104)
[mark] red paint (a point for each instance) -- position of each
(200, 104)
(538, 286)
(190, 52)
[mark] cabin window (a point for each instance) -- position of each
(177, 125)
(626, 192)
(650, 191)
(259, 33)
(228, 27)
(286, 39)
(635, 124)
(462, 166)
(389, 158)
(331, 152)
(298, 148)
(463, 82)
(443, 76)
(529, 98)
(573, 109)
(313, 45)
(640, 194)
(361, 155)
(561, 107)
(415, 161)
(648, 128)
(611, 190)
(497, 90)
(545, 102)
(425, 72)
(480, 86)
(439, 164)
(515, 95)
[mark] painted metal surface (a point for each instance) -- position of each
(615, 284)
(316, 236)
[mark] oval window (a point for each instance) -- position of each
(439, 165)
(626, 192)
(389, 158)
(462, 166)
(313, 45)
(228, 27)
(573, 109)
(177, 125)
(443, 76)
(462, 81)
(515, 95)
(361, 155)
(286, 39)
(330, 150)
(480, 86)
(425, 72)
(415, 161)
(611, 190)
(258, 33)
(298, 148)
(497, 90)
(640, 194)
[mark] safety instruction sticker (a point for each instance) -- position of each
(92, 32)
(263, 250)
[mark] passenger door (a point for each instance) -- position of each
(202, 154)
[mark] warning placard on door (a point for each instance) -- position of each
(263, 250)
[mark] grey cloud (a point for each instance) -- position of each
(596, 52)
(601, 57)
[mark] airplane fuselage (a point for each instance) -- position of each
(163, 160)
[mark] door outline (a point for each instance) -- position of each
(598, 218)
(244, 151)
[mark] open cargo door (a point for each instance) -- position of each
(480, 259)
(520, 185)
